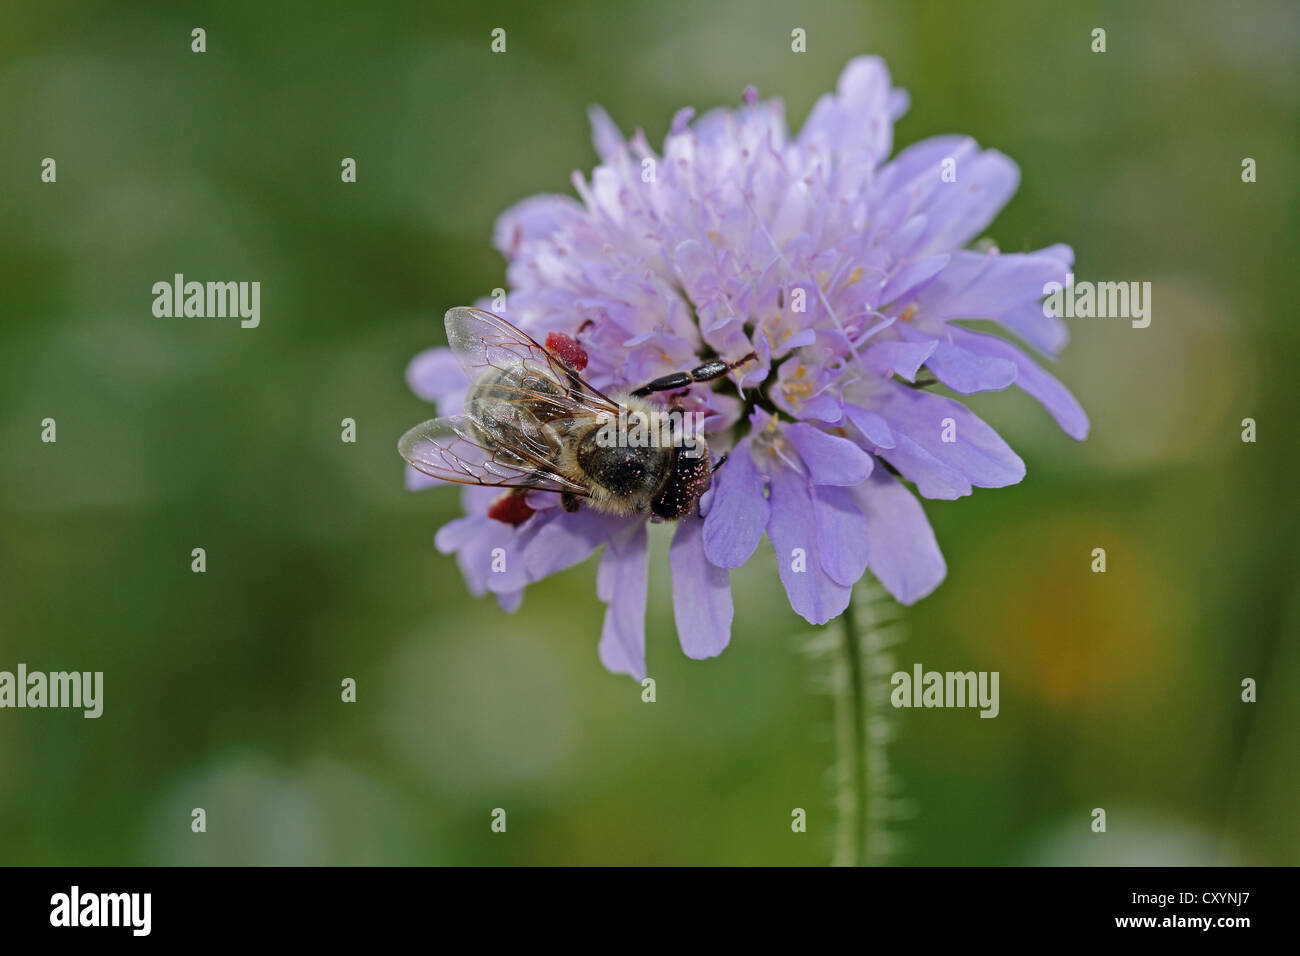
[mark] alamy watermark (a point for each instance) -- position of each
(75, 689)
(949, 689)
(76, 908)
(1101, 300)
(211, 300)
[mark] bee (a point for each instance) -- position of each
(531, 422)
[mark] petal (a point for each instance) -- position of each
(860, 115)
(457, 533)
(873, 427)
(560, 540)
(841, 534)
(1005, 287)
(960, 211)
(490, 558)
(903, 553)
(968, 372)
(605, 136)
(963, 370)
(723, 411)
(826, 407)
(921, 422)
(738, 510)
(1032, 380)
(419, 481)
(906, 183)
(898, 358)
(435, 376)
(621, 583)
(510, 602)
(932, 477)
(757, 372)
(681, 120)
(792, 531)
(831, 460)
(702, 604)
(537, 217)
(912, 277)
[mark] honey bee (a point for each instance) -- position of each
(532, 423)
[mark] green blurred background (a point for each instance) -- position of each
(1119, 691)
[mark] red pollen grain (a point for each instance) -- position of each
(510, 508)
(568, 350)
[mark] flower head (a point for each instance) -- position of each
(842, 271)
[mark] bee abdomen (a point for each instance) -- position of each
(504, 421)
(539, 395)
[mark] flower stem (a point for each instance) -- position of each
(851, 729)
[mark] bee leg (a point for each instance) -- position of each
(569, 502)
(720, 462)
(702, 373)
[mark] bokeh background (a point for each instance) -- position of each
(1119, 691)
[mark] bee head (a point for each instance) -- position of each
(689, 479)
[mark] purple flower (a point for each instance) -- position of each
(843, 271)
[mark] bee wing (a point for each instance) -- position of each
(482, 342)
(450, 449)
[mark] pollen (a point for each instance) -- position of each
(510, 509)
(770, 439)
(908, 313)
(568, 350)
(796, 387)
(794, 391)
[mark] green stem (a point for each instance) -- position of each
(853, 740)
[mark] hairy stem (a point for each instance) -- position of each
(851, 731)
